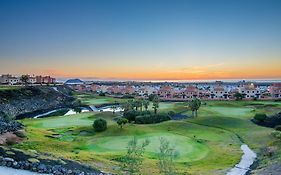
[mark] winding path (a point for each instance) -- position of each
(247, 159)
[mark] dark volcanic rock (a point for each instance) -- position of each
(15, 102)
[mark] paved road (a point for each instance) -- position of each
(246, 161)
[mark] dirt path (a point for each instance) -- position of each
(246, 161)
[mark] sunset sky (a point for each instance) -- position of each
(142, 39)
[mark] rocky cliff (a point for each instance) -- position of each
(18, 101)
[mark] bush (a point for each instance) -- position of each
(151, 97)
(171, 113)
(100, 125)
(276, 134)
(131, 115)
(144, 119)
(260, 117)
(102, 94)
(20, 133)
(148, 119)
(278, 127)
(122, 121)
(128, 96)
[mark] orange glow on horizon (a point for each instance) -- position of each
(192, 73)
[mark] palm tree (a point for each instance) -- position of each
(114, 107)
(139, 103)
(238, 96)
(24, 79)
(146, 104)
(128, 105)
(194, 106)
(155, 104)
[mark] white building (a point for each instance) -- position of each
(13, 80)
(219, 93)
(4, 79)
(249, 91)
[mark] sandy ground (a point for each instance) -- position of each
(9, 135)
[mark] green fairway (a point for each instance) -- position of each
(208, 144)
(3, 88)
(190, 149)
(93, 99)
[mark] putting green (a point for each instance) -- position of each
(97, 101)
(230, 111)
(187, 149)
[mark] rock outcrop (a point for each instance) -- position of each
(15, 102)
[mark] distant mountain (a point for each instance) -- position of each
(74, 81)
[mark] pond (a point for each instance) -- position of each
(71, 111)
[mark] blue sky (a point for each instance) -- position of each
(128, 39)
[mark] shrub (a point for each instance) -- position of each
(128, 96)
(151, 97)
(276, 134)
(131, 115)
(278, 127)
(100, 125)
(20, 133)
(122, 121)
(148, 119)
(144, 119)
(133, 160)
(102, 94)
(260, 117)
(171, 113)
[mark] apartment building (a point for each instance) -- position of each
(219, 92)
(190, 92)
(166, 92)
(249, 91)
(275, 90)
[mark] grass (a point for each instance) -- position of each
(208, 144)
(93, 99)
(3, 88)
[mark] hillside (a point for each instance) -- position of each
(16, 101)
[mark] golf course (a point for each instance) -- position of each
(206, 144)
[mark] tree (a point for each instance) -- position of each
(77, 110)
(137, 104)
(100, 125)
(122, 121)
(114, 107)
(130, 115)
(127, 106)
(260, 117)
(166, 157)
(238, 96)
(24, 79)
(132, 161)
(151, 97)
(140, 103)
(146, 104)
(194, 106)
(155, 104)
